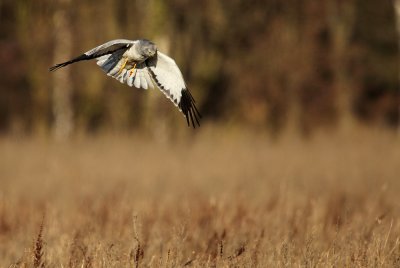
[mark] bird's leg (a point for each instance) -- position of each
(122, 67)
(132, 70)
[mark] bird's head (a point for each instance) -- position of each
(147, 48)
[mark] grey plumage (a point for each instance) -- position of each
(138, 63)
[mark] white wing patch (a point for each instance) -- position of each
(168, 77)
(169, 80)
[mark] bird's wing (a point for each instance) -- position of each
(168, 78)
(104, 49)
(159, 71)
(137, 76)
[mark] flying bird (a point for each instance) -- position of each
(138, 63)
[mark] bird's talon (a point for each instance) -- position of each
(132, 70)
(122, 67)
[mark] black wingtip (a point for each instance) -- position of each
(189, 109)
(57, 66)
(63, 64)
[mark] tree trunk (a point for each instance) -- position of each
(62, 88)
(397, 11)
(341, 21)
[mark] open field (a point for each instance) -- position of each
(210, 200)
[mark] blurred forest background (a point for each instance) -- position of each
(266, 65)
(296, 163)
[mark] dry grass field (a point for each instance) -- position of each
(209, 200)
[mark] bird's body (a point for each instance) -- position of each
(138, 63)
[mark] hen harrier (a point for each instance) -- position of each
(138, 63)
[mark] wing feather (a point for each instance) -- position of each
(104, 49)
(110, 47)
(136, 81)
(168, 78)
(143, 81)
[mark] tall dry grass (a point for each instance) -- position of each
(210, 200)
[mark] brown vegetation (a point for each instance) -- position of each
(211, 200)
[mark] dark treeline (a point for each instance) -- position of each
(272, 65)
